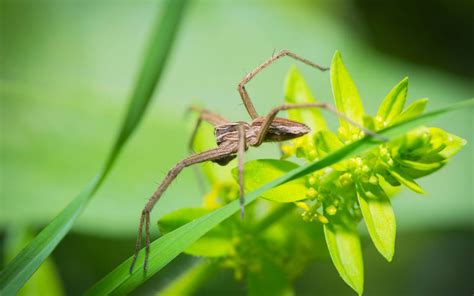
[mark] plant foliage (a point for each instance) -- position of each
(347, 177)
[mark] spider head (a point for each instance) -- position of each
(282, 129)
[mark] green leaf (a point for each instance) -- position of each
(343, 243)
(406, 180)
(393, 103)
(20, 269)
(379, 218)
(262, 171)
(215, 243)
(414, 109)
(297, 91)
(167, 247)
(453, 146)
(268, 279)
(345, 94)
(421, 166)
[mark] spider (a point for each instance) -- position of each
(234, 138)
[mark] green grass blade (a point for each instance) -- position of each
(167, 247)
(19, 270)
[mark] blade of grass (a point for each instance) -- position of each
(167, 247)
(19, 270)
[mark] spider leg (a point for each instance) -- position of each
(212, 154)
(204, 115)
(212, 118)
(240, 152)
(271, 116)
(241, 87)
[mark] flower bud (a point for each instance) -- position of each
(345, 179)
(373, 180)
(323, 219)
(331, 210)
(311, 193)
(287, 150)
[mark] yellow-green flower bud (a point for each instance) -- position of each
(311, 180)
(323, 219)
(331, 210)
(390, 162)
(287, 150)
(311, 193)
(365, 168)
(342, 131)
(299, 142)
(313, 154)
(345, 179)
(373, 180)
(383, 151)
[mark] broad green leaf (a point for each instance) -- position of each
(379, 218)
(215, 243)
(262, 171)
(406, 180)
(345, 94)
(297, 91)
(268, 279)
(20, 269)
(167, 247)
(414, 109)
(343, 243)
(393, 103)
(191, 280)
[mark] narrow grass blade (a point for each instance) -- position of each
(167, 247)
(19, 270)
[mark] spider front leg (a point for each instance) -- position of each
(271, 116)
(241, 87)
(212, 154)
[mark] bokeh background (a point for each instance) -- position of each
(66, 72)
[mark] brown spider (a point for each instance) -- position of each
(234, 138)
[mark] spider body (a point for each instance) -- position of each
(280, 129)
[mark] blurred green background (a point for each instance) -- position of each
(67, 69)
